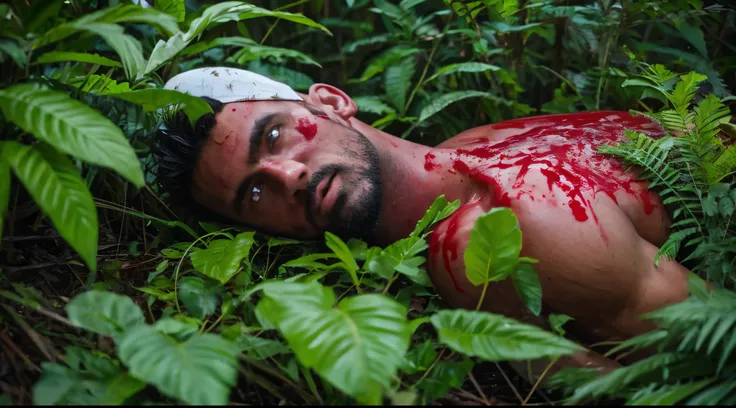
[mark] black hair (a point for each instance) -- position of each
(176, 151)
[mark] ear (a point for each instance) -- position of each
(332, 100)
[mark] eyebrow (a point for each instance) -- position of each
(254, 146)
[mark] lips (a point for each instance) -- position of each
(323, 189)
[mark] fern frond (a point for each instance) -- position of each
(671, 247)
(684, 92)
(656, 337)
(616, 381)
(714, 395)
(667, 394)
(711, 322)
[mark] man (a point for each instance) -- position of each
(298, 165)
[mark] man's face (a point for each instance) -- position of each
(287, 169)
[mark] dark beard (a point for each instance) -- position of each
(361, 218)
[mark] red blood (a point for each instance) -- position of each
(394, 144)
(234, 109)
(648, 206)
(449, 245)
(429, 165)
(325, 117)
(307, 128)
(564, 149)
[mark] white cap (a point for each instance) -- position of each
(230, 85)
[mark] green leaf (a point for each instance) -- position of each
(72, 127)
(199, 296)
(165, 51)
(260, 348)
(104, 313)
(694, 35)
(372, 104)
(526, 282)
(174, 8)
(443, 101)
(494, 247)
(667, 395)
(248, 11)
(386, 59)
(497, 338)
(463, 67)
(57, 56)
(403, 256)
(343, 253)
(89, 380)
(397, 80)
(445, 376)
(199, 371)
(15, 52)
(685, 92)
(56, 186)
(155, 98)
(557, 320)
(177, 329)
(368, 335)
(438, 211)
(127, 47)
(221, 260)
(419, 358)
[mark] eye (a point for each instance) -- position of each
(273, 136)
(255, 194)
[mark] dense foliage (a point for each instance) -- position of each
(108, 298)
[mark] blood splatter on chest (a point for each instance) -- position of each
(564, 151)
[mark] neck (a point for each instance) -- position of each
(411, 180)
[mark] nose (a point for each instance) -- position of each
(290, 174)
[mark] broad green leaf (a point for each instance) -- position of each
(557, 320)
(89, 380)
(104, 313)
(343, 253)
(221, 260)
(56, 186)
(155, 98)
(248, 11)
(132, 14)
(439, 210)
(175, 8)
(526, 282)
(102, 84)
(694, 35)
(260, 348)
(357, 345)
(443, 101)
(163, 52)
(463, 67)
(252, 51)
(497, 338)
(4, 187)
(128, 48)
(72, 127)
(397, 80)
(495, 244)
(209, 17)
(372, 104)
(199, 296)
(177, 329)
(199, 371)
(57, 56)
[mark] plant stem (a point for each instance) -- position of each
(426, 67)
(539, 380)
(482, 295)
